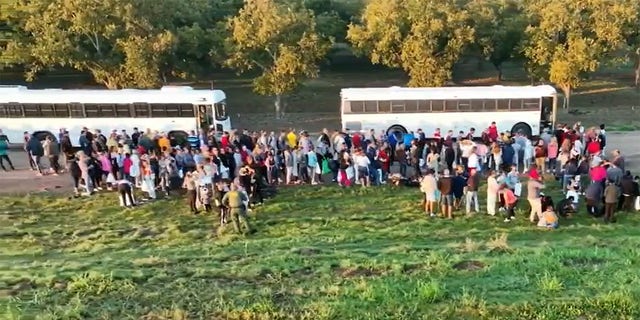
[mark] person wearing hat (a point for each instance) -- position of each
(534, 187)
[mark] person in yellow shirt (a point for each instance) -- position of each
(292, 139)
(549, 219)
(164, 143)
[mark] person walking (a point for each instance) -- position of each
(189, 183)
(235, 201)
(4, 154)
(36, 152)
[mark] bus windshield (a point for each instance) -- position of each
(220, 110)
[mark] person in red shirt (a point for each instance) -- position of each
(126, 166)
(493, 132)
(383, 158)
(437, 134)
(356, 140)
(593, 148)
(224, 140)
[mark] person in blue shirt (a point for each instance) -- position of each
(193, 140)
(507, 155)
(407, 138)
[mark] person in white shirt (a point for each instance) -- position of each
(362, 167)
(492, 192)
(125, 194)
(473, 162)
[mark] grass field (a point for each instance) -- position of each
(320, 253)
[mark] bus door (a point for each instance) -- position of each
(204, 116)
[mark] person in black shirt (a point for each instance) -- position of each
(565, 207)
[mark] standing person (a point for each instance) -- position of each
(492, 192)
(473, 183)
(36, 151)
(4, 154)
(288, 165)
(540, 153)
(401, 157)
(235, 201)
(26, 137)
(189, 183)
(429, 185)
(312, 165)
(148, 178)
(445, 186)
(76, 174)
(610, 201)
(52, 152)
(534, 186)
(83, 164)
(344, 164)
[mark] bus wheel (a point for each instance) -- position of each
(398, 131)
(521, 128)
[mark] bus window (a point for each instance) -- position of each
(220, 110)
(62, 110)
(384, 106)
(356, 106)
(477, 105)
(437, 105)
(531, 104)
(411, 106)
(503, 104)
(371, 106)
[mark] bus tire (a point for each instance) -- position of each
(521, 128)
(41, 135)
(398, 131)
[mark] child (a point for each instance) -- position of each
(573, 193)
(549, 219)
(565, 207)
(510, 201)
(205, 193)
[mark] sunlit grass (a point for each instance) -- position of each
(320, 253)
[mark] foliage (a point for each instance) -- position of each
(280, 41)
(499, 28)
(115, 40)
(567, 39)
(320, 253)
(423, 37)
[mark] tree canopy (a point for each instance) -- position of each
(142, 43)
(423, 37)
(280, 42)
(567, 39)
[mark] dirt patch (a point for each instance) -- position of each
(583, 262)
(411, 268)
(302, 272)
(59, 285)
(17, 287)
(308, 251)
(469, 265)
(356, 272)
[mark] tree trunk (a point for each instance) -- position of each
(278, 105)
(567, 96)
(499, 70)
(637, 69)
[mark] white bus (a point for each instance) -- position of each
(175, 110)
(524, 109)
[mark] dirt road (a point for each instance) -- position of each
(24, 180)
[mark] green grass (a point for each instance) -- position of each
(320, 253)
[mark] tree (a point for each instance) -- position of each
(112, 39)
(499, 29)
(280, 41)
(423, 37)
(570, 38)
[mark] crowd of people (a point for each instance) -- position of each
(234, 172)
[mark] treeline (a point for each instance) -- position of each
(142, 43)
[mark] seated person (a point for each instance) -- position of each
(565, 207)
(549, 219)
(572, 192)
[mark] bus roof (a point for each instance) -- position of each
(444, 93)
(172, 94)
